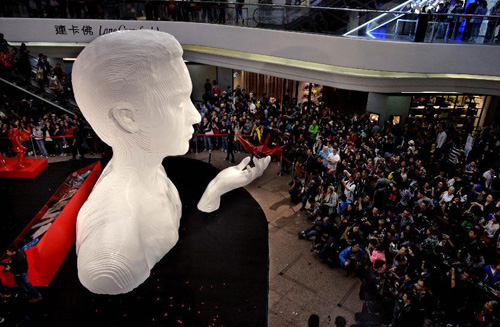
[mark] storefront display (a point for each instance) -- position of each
(374, 118)
(461, 109)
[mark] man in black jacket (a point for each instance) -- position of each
(404, 313)
(470, 10)
(78, 139)
(18, 265)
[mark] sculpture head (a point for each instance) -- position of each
(134, 89)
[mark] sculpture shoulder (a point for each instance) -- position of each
(113, 198)
(172, 193)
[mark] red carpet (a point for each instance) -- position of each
(33, 169)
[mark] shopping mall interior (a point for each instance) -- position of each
(343, 166)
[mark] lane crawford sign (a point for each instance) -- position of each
(73, 30)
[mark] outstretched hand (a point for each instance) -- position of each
(242, 174)
(229, 179)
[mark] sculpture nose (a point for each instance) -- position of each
(193, 114)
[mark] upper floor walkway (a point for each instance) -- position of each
(353, 54)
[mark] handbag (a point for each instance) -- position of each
(48, 139)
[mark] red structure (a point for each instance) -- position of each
(262, 149)
(17, 147)
(3, 163)
(33, 167)
(45, 258)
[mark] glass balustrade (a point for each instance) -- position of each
(407, 21)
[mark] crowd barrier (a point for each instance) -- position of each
(295, 166)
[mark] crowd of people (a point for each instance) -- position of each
(52, 131)
(15, 66)
(450, 26)
(44, 132)
(412, 209)
(211, 12)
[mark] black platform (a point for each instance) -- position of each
(217, 274)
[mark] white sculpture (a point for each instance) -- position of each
(134, 89)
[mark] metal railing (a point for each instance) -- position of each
(27, 81)
(402, 22)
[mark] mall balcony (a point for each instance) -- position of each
(391, 50)
(396, 60)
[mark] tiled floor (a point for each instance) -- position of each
(299, 283)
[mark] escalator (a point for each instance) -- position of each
(317, 19)
(10, 77)
(321, 16)
(34, 92)
(399, 22)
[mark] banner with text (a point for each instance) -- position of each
(74, 30)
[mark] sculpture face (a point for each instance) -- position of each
(169, 125)
(134, 89)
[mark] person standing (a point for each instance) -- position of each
(24, 65)
(18, 265)
(40, 141)
(349, 186)
(470, 10)
(455, 20)
(222, 11)
(46, 70)
(206, 129)
(4, 45)
(488, 177)
(224, 131)
(313, 129)
(481, 10)
(48, 131)
(239, 12)
(78, 138)
(208, 89)
(230, 143)
(492, 23)
(440, 31)
(440, 140)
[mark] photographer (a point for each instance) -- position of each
(351, 259)
(349, 186)
(308, 193)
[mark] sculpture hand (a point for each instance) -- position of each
(229, 179)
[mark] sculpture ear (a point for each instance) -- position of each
(124, 119)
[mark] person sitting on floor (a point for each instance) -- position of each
(351, 258)
(319, 227)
